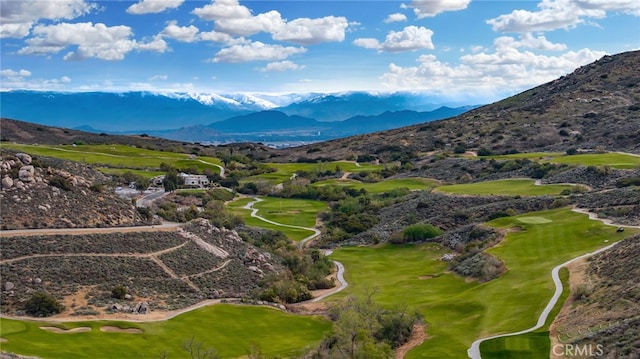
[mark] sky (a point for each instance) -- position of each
(464, 50)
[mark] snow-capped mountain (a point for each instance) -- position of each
(148, 111)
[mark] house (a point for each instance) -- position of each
(190, 180)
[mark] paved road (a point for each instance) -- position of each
(474, 351)
(148, 199)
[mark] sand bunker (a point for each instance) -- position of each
(112, 329)
(534, 220)
(64, 331)
(3, 340)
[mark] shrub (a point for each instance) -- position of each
(42, 304)
(484, 152)
(420, 231)
(119, 292)
(572, 151)
(60, 182)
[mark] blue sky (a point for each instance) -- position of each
(464, 50)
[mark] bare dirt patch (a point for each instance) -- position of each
(113, 329)
(66, 331)
(3, 340)
(418, 336)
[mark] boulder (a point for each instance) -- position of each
(141, 308)
(37, 281)
(26, 174)
(8, 286)
(24, 158)
(19, 184)
(7, 182)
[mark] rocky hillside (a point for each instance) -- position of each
(598, 105)
(603, 309)
(50, 193)
(162, 269)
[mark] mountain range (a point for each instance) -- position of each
(226, 118)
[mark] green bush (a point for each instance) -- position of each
(119, 292)
(42, 304)
(420, 232)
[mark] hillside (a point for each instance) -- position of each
(49, 193)
(598, 105)
(604, 307)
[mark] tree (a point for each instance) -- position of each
(42, 304)
(196, 350)
(171, 181)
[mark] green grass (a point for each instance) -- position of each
(382, 186)
(536, 344)
(284, 171)
(121, 171)
(611, 159)
(290, 211)
(292, 233)
(230, 329)
(614, 160)
(118, 156)
(509, 187)
(458, 312)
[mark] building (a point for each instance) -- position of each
(190, 180)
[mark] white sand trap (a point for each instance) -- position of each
(534, 220)
(65, 331)
(112, 329)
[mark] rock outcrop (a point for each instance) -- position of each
(51, 193)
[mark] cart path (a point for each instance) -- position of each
(474, 351)
(340, 275)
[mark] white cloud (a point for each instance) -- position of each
(367, 43)
(411, 38)
(237, 20)
(397, 17)
(256, 51)
(267, 22)
(180, 33)
(222, 9)
(486, 76)
(92, 40)
(12, 73)
(215, 36)
(12, 80)
(312, 31)
(17, 17)
(282, 66)
(158, 78)
(153, 6)
(429, 8)
(560, 14)
(527, 40)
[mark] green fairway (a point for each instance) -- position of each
(509, 187)
(531, 345)
(284, 171)
(121, 171)
(230, 329)
(611, 159)
(382, 186)
(458, 311)
(295, 234)
(614, 160)
(118, 156)
(290, 211)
